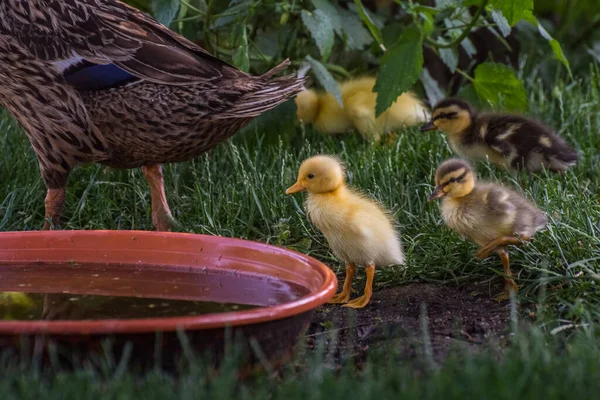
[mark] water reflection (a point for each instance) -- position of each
(64, 306)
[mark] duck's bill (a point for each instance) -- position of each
(428, 126)
(438, 193)
(296, 187)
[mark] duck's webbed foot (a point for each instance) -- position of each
(162, 219)
(509, 284)
(344, 295)
(498, 243)
(363, 300)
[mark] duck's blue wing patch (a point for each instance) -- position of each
(89, 76)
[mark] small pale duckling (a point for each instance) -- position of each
(488, 214)
(358, 229)
(510, 141)
(323, 111)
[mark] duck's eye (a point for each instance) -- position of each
(452, 180)
(310, 176)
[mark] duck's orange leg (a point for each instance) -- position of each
(495, 244)
(363, 300)
(344, 295)
(509, 283)
(161, 214)
(55, 199)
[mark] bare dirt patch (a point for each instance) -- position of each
(457, 316)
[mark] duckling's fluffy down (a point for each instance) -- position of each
(357, 229)
(491, 211)
(358, 112)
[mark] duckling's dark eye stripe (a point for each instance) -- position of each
(457, 179)
(449, 115)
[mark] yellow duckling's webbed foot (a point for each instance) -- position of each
(344, 295)
(162, 219)
(500, 242)
(391, 138)
(509, 284)
(363, 300)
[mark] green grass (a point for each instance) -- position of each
(237, 190)
(533, 367)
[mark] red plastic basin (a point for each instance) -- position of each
(286, 285)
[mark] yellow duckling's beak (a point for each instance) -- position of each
(438, 193)
(428, 126)
(296, 187)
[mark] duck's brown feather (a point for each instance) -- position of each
(109, 31)
(524, 143)
(181, 102)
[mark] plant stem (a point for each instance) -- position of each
(464, 33)
(191, 7)
(372, 27)
(464, 74)
(207, 23)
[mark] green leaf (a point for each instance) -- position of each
(375, 32)
(450, 58)
(332, 13)
(432, 87)
(165, 10)
(425, 9)
(558, 52)
(182, 13)
(319, 26)
(325, 79)
(402, 65)
(501, 22)
(513, 10)
(468, 93)
(498, 85)
(240, 53)
(357, 36)
(554, 44)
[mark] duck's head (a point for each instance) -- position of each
(451, 116)
(319, 174)
(454, 178)
(307, 106)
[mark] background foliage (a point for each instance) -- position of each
(436, 47)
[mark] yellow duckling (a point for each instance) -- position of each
(359, 231)
(323, 111)
(510, 141)
(488, 214)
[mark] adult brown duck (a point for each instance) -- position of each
(100, 81)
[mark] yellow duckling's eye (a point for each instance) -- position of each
(452, 180)
(310, 176)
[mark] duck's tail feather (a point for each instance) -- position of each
(271, 93)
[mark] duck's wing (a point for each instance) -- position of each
(106, 32)
(500, 203)
(499, 132)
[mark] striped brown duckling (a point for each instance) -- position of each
(510, 141)
(489, 214)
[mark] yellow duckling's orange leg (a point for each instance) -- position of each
(391, 139)
(344, 295)
(509, 283)
(161, 214)
(55, 199)
(363, 300)
(502, 241)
